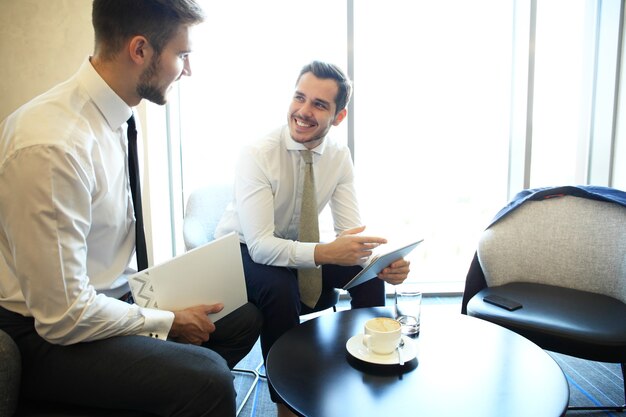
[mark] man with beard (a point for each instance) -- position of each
(67, 235)
(266, 211)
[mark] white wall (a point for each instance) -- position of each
(42, 42)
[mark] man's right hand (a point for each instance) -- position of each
(349, 248)
(192, 325)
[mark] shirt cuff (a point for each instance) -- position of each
(157, 323)
(305, 255)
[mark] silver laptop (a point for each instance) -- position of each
(209, 274)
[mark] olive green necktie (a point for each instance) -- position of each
(309, 279)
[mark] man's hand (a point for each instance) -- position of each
(348, 249)
(396, 272)
(192, 325)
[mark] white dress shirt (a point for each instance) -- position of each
(268, 193)
(67, 230)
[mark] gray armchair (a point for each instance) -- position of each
(204, 209)
(203, 212)
(10, 371)
(562, 256)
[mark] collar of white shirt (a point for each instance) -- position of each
(113, 108)
(292, 145)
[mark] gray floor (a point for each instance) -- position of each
(591, 383)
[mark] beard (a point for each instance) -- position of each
(146, 87)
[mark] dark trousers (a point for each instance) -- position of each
(274, 290)
(164, 378)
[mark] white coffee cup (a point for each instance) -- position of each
(382, 335)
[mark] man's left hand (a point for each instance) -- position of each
(396, 272)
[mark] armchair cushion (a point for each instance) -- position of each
(573, 322)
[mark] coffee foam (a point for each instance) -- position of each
(383, 324)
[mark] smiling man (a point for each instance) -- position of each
(67, 236)
(266, 211)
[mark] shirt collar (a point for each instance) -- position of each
(292, 145)
(113, 108)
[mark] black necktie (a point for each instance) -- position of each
(135, 188)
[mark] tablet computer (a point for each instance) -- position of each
(379, 262)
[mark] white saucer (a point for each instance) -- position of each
(357, 349)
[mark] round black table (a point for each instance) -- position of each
(465, 367)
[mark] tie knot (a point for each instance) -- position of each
(307, 156)
(131, 131)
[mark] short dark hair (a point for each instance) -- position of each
(324, 71)
(115, 21)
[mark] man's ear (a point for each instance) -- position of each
(139, 49)
(340, 116)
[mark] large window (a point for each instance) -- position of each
(431, 115)
(458, 105)
(245, 63)
(563, 81)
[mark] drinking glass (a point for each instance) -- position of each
(408, 304)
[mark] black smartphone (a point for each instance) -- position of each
(503, 302)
